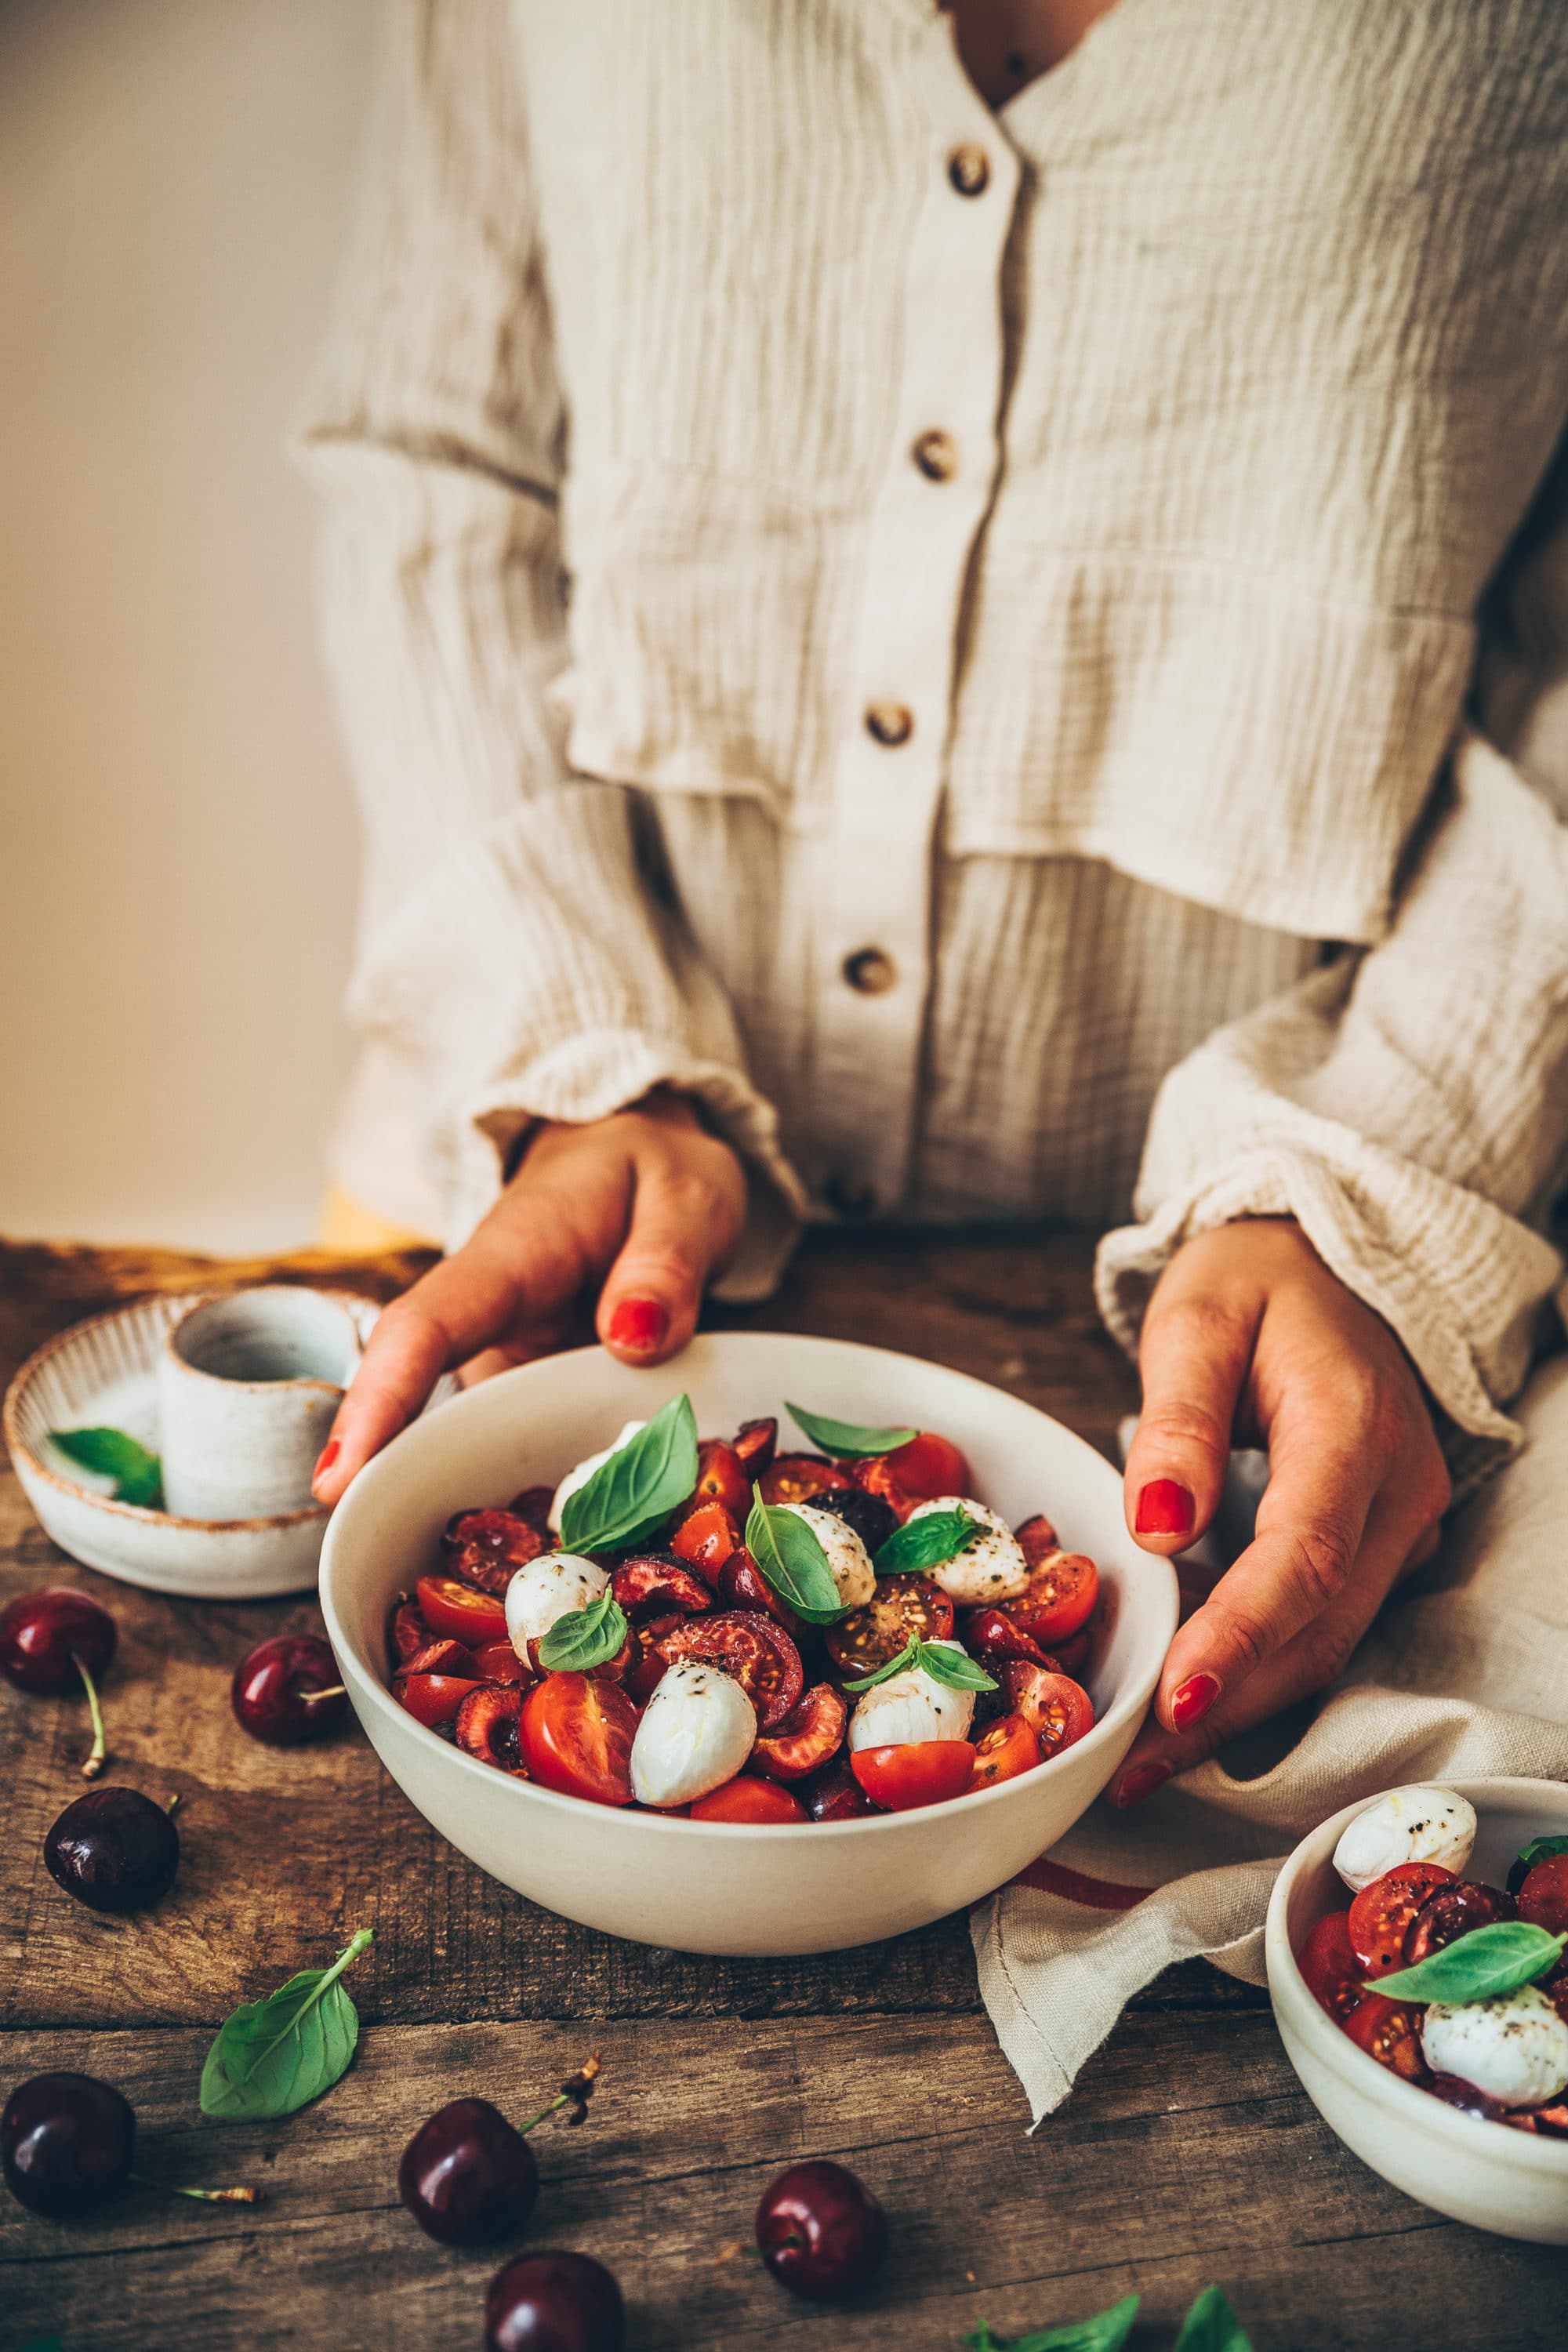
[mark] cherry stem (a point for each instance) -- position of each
(94, 1764)
(311, 1699)
(207, 2196)
(587, 2073)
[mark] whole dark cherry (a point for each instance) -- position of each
(66, 2143)
(821, 2231)
(114, 1850)
(467, 2174)
(51, 1641)
(288, 1690)
(555, 2301)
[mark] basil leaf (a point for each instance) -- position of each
(138, 1476)
(1541, 1849)
(629, 1496)
(926, 1542)
(584, 1638)
(956, 1668)
(1481, 1965)
(1106, 2332)
(907, 1656)
(1212, 2325)
(849, 1440)
(272, 2056)
(792, 1561)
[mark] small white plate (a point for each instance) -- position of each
(104, 1373)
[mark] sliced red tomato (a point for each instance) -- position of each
(1390, 2031)
(1332, 1968)
(1037, 1538)
(1058, 1598)
(913, 1773)
(901, 1609)
(705, 1540)
(747, 1799)
(805, 1740)
(1543, 1897)
(1003, 1749)
(794, 1477)
(929, 1466)
(756, 1442)
(460, 1610)
(876, 1476)
(1056, 1709)
(433, 1700)
(719, 1477)
(758, 1653)
(576, 1737)
(1381, 1915)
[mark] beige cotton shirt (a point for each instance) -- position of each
(1016, 656)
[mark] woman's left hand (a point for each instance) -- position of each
(1250, 1340)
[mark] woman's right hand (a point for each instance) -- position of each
(645, 1205)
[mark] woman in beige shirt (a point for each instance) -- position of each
(959, 612)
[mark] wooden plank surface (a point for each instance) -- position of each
(1188, 2153)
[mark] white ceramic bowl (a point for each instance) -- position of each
(1460, 2165)
(720, 1887)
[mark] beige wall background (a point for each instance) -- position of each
(177, 843)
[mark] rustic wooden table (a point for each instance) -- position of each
(1187, 2154)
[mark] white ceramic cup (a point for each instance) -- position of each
(248, 1385)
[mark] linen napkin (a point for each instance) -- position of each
(1464, 1673)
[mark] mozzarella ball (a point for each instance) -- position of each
(584, 1471)
(1514, 2048)
(550, 1587)
(912, 1706)
(697, 1730)
(847, 1555)
(990, 1567)
(1418, 1824)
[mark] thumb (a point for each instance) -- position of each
(682, 1226)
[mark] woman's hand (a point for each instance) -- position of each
(643, 1206)
(1250, 1340)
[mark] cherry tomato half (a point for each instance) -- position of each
(720, 1478)
(929, 1466)
(1382, 1913)
(913, 1773)
(1003, 1749)
(900, 1607)
(576, 1737)
(1543, 1897)
(1390, 2031)
(705, 1540)
(1056, 1709)
(794, 1476)
(410, 1633)
(459, 1609)
(1058, 1599)
(1332, 1966)
(746, 1799)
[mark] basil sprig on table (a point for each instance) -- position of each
(1481, 1965)
(584, 1638)
(1211, 2326)
(927, 1542)
(1541, 1849)
(628, 1497)
(138, 1476)
(274, 2055)
(789, 1555)
(956, 1668)
(848, 1441)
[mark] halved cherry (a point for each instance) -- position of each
(755, 1443)
(444, 1657)
(410, 1633)
(1005, 1749)
(706, 1538)
(1058, 1599)
(742, 1585)
(433, 1700)
(720, 1478)
(1450, 1912)
(744, 1799)
(929, 1466)
(655, 1584)
(498, 1663)
(1382, 1911)
(808, 1739)
(901, 1609)
(1332, 1966)
(485, 1547)
(533, 1504)
(1390, 2031)
(487, 1726)
(1072, 1656)
(1037, 1538)
(991, 1633)
(793, 1478)
(913, 1773)
(576, 1738)
(758, 1653)
(460, 1609)
(1056, 1709)
(834, 1794)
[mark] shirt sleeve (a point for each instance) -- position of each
(517, 957)
(1408, 1104)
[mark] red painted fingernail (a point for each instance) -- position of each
(1141, 1783)
(329, 1455)
(639, 1323)
(1191, 1699)
(1166, 1508)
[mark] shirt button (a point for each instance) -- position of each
(890, 722)
(936, 455)
(850, 1196)
(871, 971)
(969, 169)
